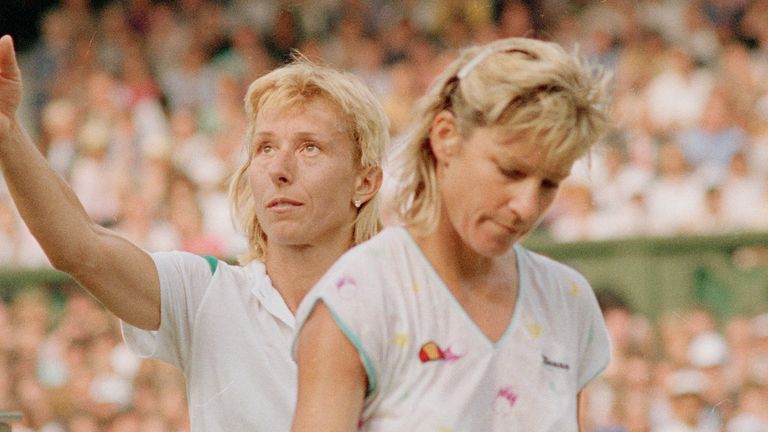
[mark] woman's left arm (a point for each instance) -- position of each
(332, 379)
(581, 401)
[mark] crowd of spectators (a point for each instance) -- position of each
(685, 372)
(138, 104)
(64, 366)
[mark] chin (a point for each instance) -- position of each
(487, 243)
(493, 248)
(287, 236)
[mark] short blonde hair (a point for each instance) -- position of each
(293, 85)
(530, 87)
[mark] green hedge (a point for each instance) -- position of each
(728, 273)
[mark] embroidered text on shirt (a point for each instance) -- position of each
(558, 365)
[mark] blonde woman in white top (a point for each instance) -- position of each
(306, 194)
(448, 323)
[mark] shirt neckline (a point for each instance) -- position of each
(521, 290)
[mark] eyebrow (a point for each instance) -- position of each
(300, 135)
(313, 135)
(516, 163)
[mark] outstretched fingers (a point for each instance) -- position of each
(10, 83)
(9, 69)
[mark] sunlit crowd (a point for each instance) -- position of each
(139, 106)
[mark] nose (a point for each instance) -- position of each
(525, 201)
(281, 167)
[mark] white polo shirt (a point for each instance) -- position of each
(230, 333)
(431, 368)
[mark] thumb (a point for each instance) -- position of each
(9, 69)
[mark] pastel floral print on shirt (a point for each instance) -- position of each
(534, 330)
(400, 339)
(575, 289)
(431, 351)
(505, 401)
(346, 287)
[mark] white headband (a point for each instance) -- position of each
(484, 53)
(467, 68)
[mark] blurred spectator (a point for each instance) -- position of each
(186, 216)
(676, 197)
(708, 353)
(246, 58)
(578, 220)
(752, 415)
(93, 176)
(516, 19)
(398, 103)
(710, 145)
(285, 35)
(675, 97)
(741, 190)
(59, 128)
(688, 410)
(190, 83)
(139, 223)
(712, 219)
(49, 56)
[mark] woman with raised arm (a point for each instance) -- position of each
(447, 323)
(306, 194)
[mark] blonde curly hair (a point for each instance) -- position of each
(526, 86)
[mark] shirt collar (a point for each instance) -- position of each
(269, 296)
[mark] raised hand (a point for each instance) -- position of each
(121, 275)
(10, 85)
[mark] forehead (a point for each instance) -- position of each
(316, 115)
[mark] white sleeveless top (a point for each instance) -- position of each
(430, 368)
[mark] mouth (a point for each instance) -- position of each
(283, 203)
(509, 229)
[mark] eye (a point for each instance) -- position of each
(310, 148)
(550, 184)
(512, 174)
(265, 148)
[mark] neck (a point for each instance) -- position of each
(294, 270)
(458, 264)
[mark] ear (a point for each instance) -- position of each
(444, 137)
(368, 183)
